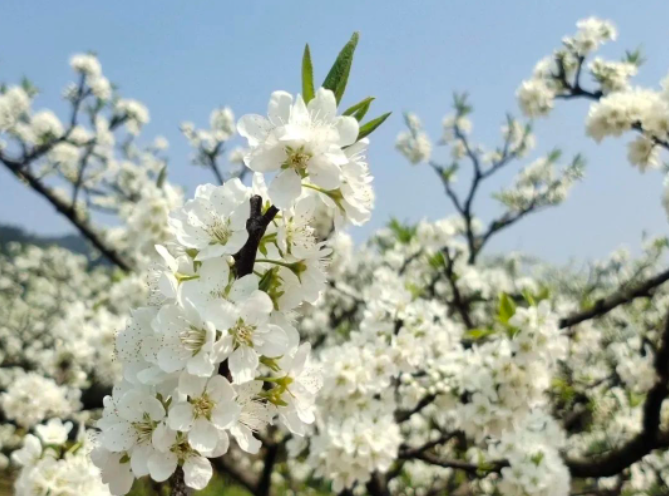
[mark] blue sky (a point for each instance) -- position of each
(182, 59)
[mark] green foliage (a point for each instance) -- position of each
(359, 110)
(308, 91)
(30, 89)
(337, 78)
(554, 155)
(461, 105)
(634, 57)
(533, 299)
(162, 175)
(403, 232)
(437, 261)
(449, 172)
(369, 127)
(506, 309)
(479, 333)
(563, 390)
(336, 81)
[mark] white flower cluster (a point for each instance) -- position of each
(57, 335)
(536, 96)
(21, 403)
(89, 67)
(217, 355)
(310, 147)
(209, 144)
(540, 184)
(51, 465)
(102, 171)
(406, 349)
(535, 463)
(414, 144)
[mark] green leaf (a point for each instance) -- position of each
(337, 78)
(359, 110)
(507, 308)
(634, 57)
(476, 334)
(437, 261)
(554, 155)
(162, 175)
(529, 297)
(307, 76)
(404, 233)
(449, 172)
(369, 127)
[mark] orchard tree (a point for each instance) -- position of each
(267, 349)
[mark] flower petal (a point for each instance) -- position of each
(180, 417)
(278, 110)
(285, 188)
(162, 465)
(348, 129)
(220, 390)
(197, 472)
(274, 342)
(225, 414)
(324, 173)
(254, 128)
(243, 364)
(203, 436)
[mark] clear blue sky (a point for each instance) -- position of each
(184, 58)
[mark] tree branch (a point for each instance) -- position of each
(265, 482)
(69, 211)
(648, 439)
(458, 301)
(404, 415)
(179, 487)
(620, 297)
(256, 226)
(461, 465)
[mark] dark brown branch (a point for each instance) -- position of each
(404, 415)
(83, 163)
(179, 487)
(506, 220)
(68, 211)
(648, 439)
(408, 453)
(265, 482)
(213, 165)
(620, 297)
(458, 301)
(461, 465)
(447, 187)
(256, 226)
(377, 485)
(575, 90)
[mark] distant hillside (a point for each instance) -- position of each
(72, 242)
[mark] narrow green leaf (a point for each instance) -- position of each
(307, 76)
(162, 175)
(359, 110)
(337, 78)
(529, 297)
(479, 333)
(369, 127)
(507, 308)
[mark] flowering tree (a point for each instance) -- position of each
(267, 349)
